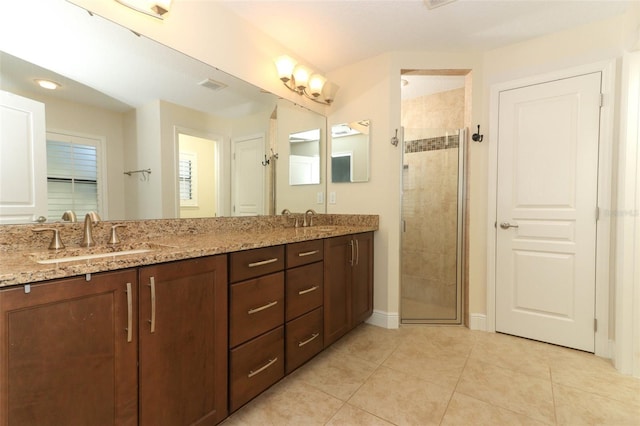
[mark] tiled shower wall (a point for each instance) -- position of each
(430, 180)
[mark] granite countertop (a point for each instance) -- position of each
(22, 267)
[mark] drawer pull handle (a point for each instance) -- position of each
(263, 262)
(262, 308)
(308, 253)
(129, 313)
(309, 290)
(309, 340)
(152, 321)
(264, 367)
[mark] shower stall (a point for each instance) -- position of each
(432, 221)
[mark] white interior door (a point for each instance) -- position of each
(23, 159)
(248, 182)
(548, 137)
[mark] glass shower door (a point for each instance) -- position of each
(432, 215)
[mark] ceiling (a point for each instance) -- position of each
(330, 34)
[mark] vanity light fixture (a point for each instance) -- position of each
(155, 8)
(47, 84)
(303, 81)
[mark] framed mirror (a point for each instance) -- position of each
(350, 151)
(138, 97)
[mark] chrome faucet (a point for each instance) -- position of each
(309, 213)
(90, 219)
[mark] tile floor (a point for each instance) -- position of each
(429, 375)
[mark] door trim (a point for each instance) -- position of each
(605, 176)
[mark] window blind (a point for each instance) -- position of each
(72, 178)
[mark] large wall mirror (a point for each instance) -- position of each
(175, 137)
(350, 151)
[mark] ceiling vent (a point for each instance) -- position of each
(212, 84)
(432, 4)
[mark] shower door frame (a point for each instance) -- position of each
(460, 240)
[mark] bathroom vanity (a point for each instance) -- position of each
(186, 332)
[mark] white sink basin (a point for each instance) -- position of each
(112, 254)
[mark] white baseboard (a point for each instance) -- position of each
(384, 319)
(478, 322)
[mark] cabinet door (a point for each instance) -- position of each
(337, 288)
(183, 342)
(362, 278)
(69, 351)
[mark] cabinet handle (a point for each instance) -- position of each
(357, 252)
(264, 367)
(129, 313)
(308, 253)
(351, 261)
(310, 339)
(308, 290)
(263, 262)
(152, 284)
(262, 308)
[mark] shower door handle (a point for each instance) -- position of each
(507, 225)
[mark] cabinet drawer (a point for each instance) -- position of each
(304, 252)
(255, 306)
(253, 263)
(304, 339)
(255, 366)
(304, 289)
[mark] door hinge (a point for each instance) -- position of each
(601, 100)
(595, 325)
(597, 214)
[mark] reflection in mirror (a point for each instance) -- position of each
(139, 120)
(350, 152)
(197, 176)
(304, 157)
(292, 119)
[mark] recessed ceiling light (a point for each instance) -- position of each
(48, 84)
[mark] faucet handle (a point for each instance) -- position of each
(114, 234)
(69, 216)
(56, 241)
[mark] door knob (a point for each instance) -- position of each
(507, 225)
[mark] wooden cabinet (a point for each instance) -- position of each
(304, 339)
(348, 283)
(131, 347)
(256, 319)
(254, 366)
(304, 298)
(183, 339)
(69, 352)
(176, 343)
